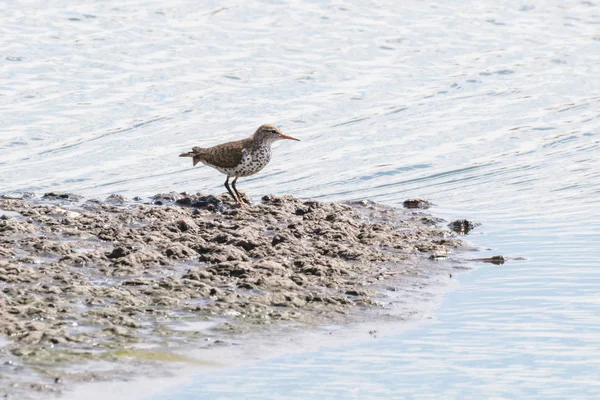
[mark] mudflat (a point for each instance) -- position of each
(82, 281)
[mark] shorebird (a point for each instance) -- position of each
(241, 157)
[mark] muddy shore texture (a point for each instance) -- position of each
(83, 280)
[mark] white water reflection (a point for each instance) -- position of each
(491, 110)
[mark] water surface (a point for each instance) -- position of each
(491, 110)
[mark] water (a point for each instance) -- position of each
(491, 110)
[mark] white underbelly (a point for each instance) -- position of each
(250, 164)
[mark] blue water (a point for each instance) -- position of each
(489, 109)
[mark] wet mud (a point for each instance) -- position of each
(84, 281)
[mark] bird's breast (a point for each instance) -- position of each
(253, 161)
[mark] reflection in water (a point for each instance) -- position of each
(489, 111)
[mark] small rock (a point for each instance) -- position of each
(210, 202)
(247, 245)
(116, 199)
(185, 225)
(462, 226)
(303, 211)
(61, 196)
(278, 239)
(185, 201)
(118, 252)
(167, 197)
(417, 203)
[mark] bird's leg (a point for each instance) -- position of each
(240, 200)
(229, 190)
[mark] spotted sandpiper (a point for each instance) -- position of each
(241, 157)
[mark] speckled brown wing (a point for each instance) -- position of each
(226, 155)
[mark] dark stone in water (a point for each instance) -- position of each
(463, 226)
(61, 196)
(167, 197)
(186, 201)
(497, 260)
(417, 203)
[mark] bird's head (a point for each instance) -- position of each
(270, 133)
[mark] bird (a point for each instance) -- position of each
(239, 158)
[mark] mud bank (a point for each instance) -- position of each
(83, 281)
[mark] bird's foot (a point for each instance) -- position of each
(243, 202)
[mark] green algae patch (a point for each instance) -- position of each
(162, 356)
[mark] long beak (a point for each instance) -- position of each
(288, 137)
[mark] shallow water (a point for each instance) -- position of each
(492, 111)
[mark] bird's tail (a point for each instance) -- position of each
(195, 154)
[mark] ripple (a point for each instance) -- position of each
(390, 102)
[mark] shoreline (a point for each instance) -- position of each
(87, 282)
